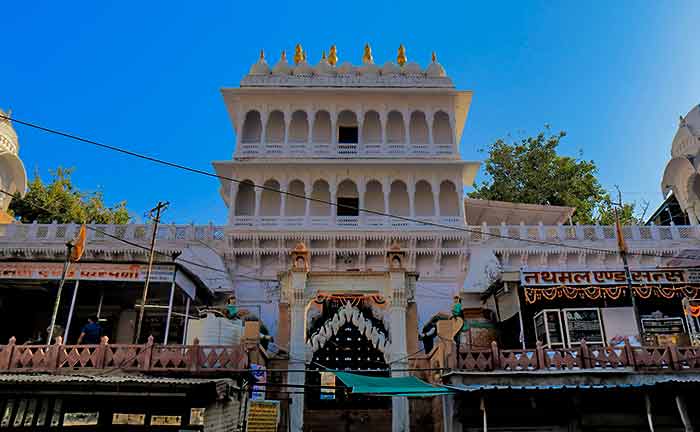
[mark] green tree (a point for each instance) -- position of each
(59, 200)
(531, 171)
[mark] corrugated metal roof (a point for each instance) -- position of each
(632, 382)
(28, 378)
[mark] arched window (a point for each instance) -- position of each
(274, 133)
(270, 200)
(245, 199)
(398, 199)
(372, 128)
(374, 197)
(449, 199)
(419, 128)
(347, 130)
(442, 131)
(395, 130)
(295, 206)
(321, 191)
(252, 128)
(322, 128)
(425, 205)
(299, 128)
(347, 196)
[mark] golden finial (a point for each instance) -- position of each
(298, 54)
(283, 57)
(323, 55)
(333, 56)
(434, 57)
(262, 55)
(401, 58)
(367, 56)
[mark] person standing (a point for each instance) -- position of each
(91, 332)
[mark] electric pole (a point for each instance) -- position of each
(154, 214)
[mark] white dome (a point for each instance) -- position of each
(303, 68)
(260, 68)
(324, 68)
(435, 70)
(369, 69)
(346, 69)
(686, 142)
(390, 68)
(411, 68)
(282, 67)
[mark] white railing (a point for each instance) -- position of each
(303, 149)
(639, 235)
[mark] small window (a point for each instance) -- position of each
(347, 134)
(348, 206)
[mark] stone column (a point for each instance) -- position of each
(400, 421)
(334, 199)
(294, 295)
(258, 202)
(287, 123)
(382, 126)
(386, 189)
(263, 132)
(435, 186)
(460, 200)
(308, 191)
(361, 189)
(283, 200)
(233, 192)
(411, 189)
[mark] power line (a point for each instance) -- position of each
(309, 198)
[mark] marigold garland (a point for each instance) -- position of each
(533, 295)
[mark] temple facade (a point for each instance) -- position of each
(351, 246)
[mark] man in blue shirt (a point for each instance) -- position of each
(91, 332)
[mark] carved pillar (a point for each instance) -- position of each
(308, 191)
(400, 421)
(382, 126)
(406, 116)
(310, 137)
(258, 199)
(294, 295)
(233, 193)
(287, 123)
(283, 200)
(460, 201)
(361, 189)
(334, 133)
(386, 189)
(263, 132)
(435, 186)
(334, 199)
(431, 139)
(411, 186)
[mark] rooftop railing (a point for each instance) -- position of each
(563, 234)
(147, 357)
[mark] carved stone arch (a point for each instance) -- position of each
(251, 129)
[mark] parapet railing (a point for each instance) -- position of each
(583, 357)
(563, 234)
(148, 357)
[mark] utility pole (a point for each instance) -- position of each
(154, 214)
(622, 249)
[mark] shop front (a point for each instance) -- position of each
(562, 307)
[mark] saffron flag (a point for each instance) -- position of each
(78, 245)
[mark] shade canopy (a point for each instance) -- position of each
(396, 386)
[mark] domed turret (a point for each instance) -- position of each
(435, 69)
(282, 67)
(411, 68)
(346, 69)
(261, 67)
(390, 68)
(323, 67)
(13, 177)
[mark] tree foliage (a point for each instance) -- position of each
(531, 171)
(59, 200)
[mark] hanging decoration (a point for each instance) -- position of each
(353, 299)
(693, 311)
(533, 295)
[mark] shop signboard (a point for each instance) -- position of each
(548, 328)
(663, 325)
(260, 375)
(327, 380)
(263, 416)
(583, 323)
(88, 271)
(531, 277)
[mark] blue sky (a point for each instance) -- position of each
(146, 75)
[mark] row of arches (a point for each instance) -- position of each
(421, 199)
(371, 127)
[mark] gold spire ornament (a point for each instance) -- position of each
(262, 55)
(367, 56)
(401, 58)
(283, 57)
(434, 57)
(333, 56)
(298, 54)
(323, 56)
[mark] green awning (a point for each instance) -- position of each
(396, 386)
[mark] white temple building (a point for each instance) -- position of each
(348, 230)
